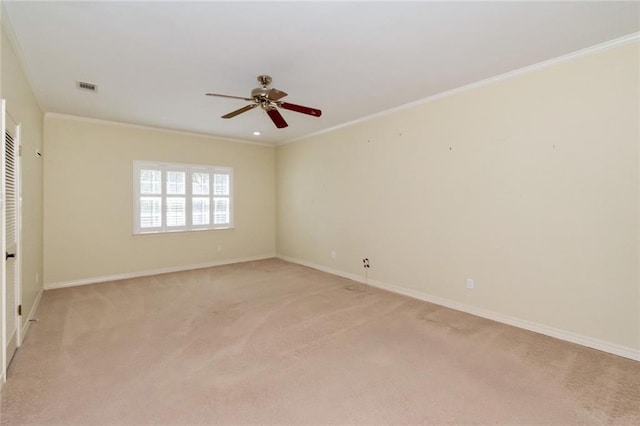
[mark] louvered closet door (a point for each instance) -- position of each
(11, 239)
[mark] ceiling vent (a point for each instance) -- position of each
(83, 85)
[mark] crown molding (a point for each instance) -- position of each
(486, 82)
(152, 128)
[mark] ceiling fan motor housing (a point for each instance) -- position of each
(259, 93)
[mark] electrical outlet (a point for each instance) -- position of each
(365, 263)
(333, 254)
(469, 283)
(219, 248)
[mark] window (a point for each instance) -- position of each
(181, 197)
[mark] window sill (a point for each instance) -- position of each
(181, 231)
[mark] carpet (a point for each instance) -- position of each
(273, 342)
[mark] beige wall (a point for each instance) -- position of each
(89, 210)
(528, 185)
(23, 107)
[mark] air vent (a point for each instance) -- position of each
(83, 85)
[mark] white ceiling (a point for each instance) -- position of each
(154, 61)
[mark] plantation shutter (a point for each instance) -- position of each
(171, 197)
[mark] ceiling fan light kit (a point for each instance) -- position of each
(269, 100)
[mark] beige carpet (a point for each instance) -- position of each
(273, 342)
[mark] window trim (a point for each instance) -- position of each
(163, 167)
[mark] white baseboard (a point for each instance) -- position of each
(12, 347)
(128, 275)
(568, 336)
(32, 312)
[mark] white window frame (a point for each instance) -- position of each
(188, 169)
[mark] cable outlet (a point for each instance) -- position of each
(365, 263)
(469, 283)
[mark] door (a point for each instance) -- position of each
(10, 240)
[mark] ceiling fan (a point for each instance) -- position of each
(269, 100)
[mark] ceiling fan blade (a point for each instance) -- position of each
(277, 118)
(275, 94)
(228, 96)
(239, 111)
(300, 108)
